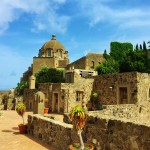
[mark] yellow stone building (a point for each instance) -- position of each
(52, 55)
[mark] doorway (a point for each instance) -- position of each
(123, 95)
(55, 103)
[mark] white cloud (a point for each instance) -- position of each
(98, 11)
(44, 14)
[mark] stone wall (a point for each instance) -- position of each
(55, 133)
(39, 63)
(107, 86)
(28, 98)
(143, 86)
(111, 134)
(67, 93)
(104, 133)
(88, 62)
(78, 64)
(93, 60)
(126, 111)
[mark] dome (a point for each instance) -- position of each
(53, 44)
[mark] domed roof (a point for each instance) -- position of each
(53, 44)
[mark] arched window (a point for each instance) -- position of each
(49, 52)
(92, 64)
(60, 53)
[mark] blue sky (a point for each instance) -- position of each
(82, 26)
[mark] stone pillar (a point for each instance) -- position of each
(38, 106)
(32, 82)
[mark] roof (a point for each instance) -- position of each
(53, 44)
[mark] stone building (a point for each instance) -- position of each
(83, 67)
(122, 88)
(112, 89)
(52, 55)
(81, 81)
(88, 62)
(61, 96)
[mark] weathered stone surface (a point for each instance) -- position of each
(107, 134)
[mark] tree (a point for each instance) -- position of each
(144, 46)
(21, 86)
(123, 58)
(137, 47)
(140, 46)
(105, 55)
(148, 43)
(119, 50)
(49, 75)
(108, 67)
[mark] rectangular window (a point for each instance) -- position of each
(123, 95)
(79, 96)
(68, 78)
(60, 53)
(49, 53)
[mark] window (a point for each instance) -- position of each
(123, 95)
(79, 96)
(49, 52)
(92, 64)
(42, 54)
(60, 53)
(68, 78)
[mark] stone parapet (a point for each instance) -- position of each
(53, 132)
(104, 132)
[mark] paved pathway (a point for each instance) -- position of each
(10, 139)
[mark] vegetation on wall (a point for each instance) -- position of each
(123, 58)
(21, 86)
(49, 75)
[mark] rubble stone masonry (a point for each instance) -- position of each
(104, 133)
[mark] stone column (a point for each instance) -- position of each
(32, 82)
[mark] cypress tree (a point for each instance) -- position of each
(140, 46)
(137, 47)
(144, 46)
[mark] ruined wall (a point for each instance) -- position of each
(78, 64)
(88, 62)
(63, 63)
(93, 59)
(113, 134)
(107, 86)
(52, 132)
(106, 134)
(67, 93)
(28, 98)
(83, 85)
(126, 111)
(143, 87)
(39, 63)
